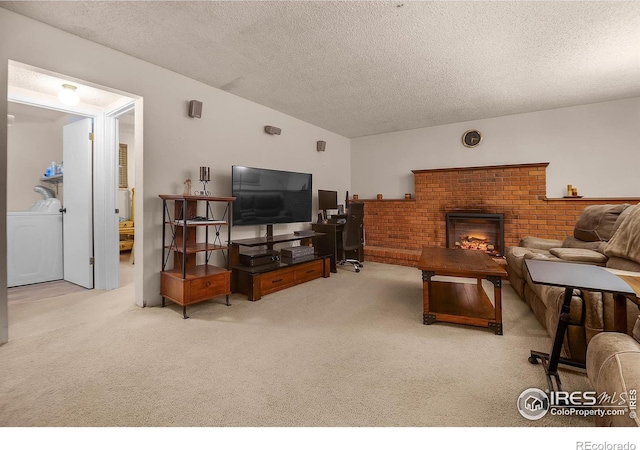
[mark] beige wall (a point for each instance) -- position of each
(175, 145)
(593, 147)
(31, 147)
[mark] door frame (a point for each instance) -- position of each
(111, 234)
(105, 225)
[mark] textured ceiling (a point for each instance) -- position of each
(24, 78)
(362, 68)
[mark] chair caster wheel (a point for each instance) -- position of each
(360, 265)
(357, 270)
(533, 360)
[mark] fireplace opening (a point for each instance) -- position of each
(476, 231)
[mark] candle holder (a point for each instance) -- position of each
(205, 177)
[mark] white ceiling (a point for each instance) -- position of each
(362, 68)
(50, 85)
(41, 89)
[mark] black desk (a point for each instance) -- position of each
(332, 243)
(570, 276)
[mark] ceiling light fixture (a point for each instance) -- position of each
(68, 95)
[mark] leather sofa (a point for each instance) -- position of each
(613, 368)
(607, 235)
(613, 358)
(591, 313)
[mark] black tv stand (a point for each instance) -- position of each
(270, 236)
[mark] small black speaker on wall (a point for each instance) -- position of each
(269, 129)
(195, 109)
(321, 145)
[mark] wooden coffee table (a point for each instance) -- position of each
(461, 303)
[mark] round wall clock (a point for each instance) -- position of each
(471, 138)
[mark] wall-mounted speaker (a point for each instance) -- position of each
(321, 145)
(272, 130)
(195, 109)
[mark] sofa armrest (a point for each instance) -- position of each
(579, 255)
(540, 243)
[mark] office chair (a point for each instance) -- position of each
(352, 233)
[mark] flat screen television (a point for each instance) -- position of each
(266, 196)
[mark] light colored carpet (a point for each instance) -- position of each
(347, 351)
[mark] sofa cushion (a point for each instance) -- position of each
(533, 242)
(625, 243)
(515, 256)
(621, 218)
(623, 264)
(579, 255)
(596, 223)
(571, 242)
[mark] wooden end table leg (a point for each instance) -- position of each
(497, 295)
(427, 317)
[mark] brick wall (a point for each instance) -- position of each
(517, 191)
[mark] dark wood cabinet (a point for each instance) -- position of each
(254, 282)
(332, 243)
(189, 241)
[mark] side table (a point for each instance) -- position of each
(570, 276)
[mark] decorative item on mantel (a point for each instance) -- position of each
(187, 187)
(407, 196)
(355, 196)
(379, 196)
(205, 177)
(572, 192)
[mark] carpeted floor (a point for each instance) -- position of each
(348, 351)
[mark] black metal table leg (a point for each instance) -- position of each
(184, 312)
(550, 361)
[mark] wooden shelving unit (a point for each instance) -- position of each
(191, 281)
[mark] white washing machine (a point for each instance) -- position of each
(34, 246)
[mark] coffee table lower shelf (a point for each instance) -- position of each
(460, 303)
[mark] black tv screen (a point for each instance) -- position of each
(266, 196)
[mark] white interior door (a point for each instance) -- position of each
(78, 205)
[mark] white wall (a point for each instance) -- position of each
(31, 148)
(593, 147)
(175, 145)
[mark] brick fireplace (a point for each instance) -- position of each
(397, 229)
(475, 231)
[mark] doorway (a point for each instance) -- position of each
(39, 140)
(29, 86)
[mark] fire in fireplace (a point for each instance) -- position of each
(476, 231)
